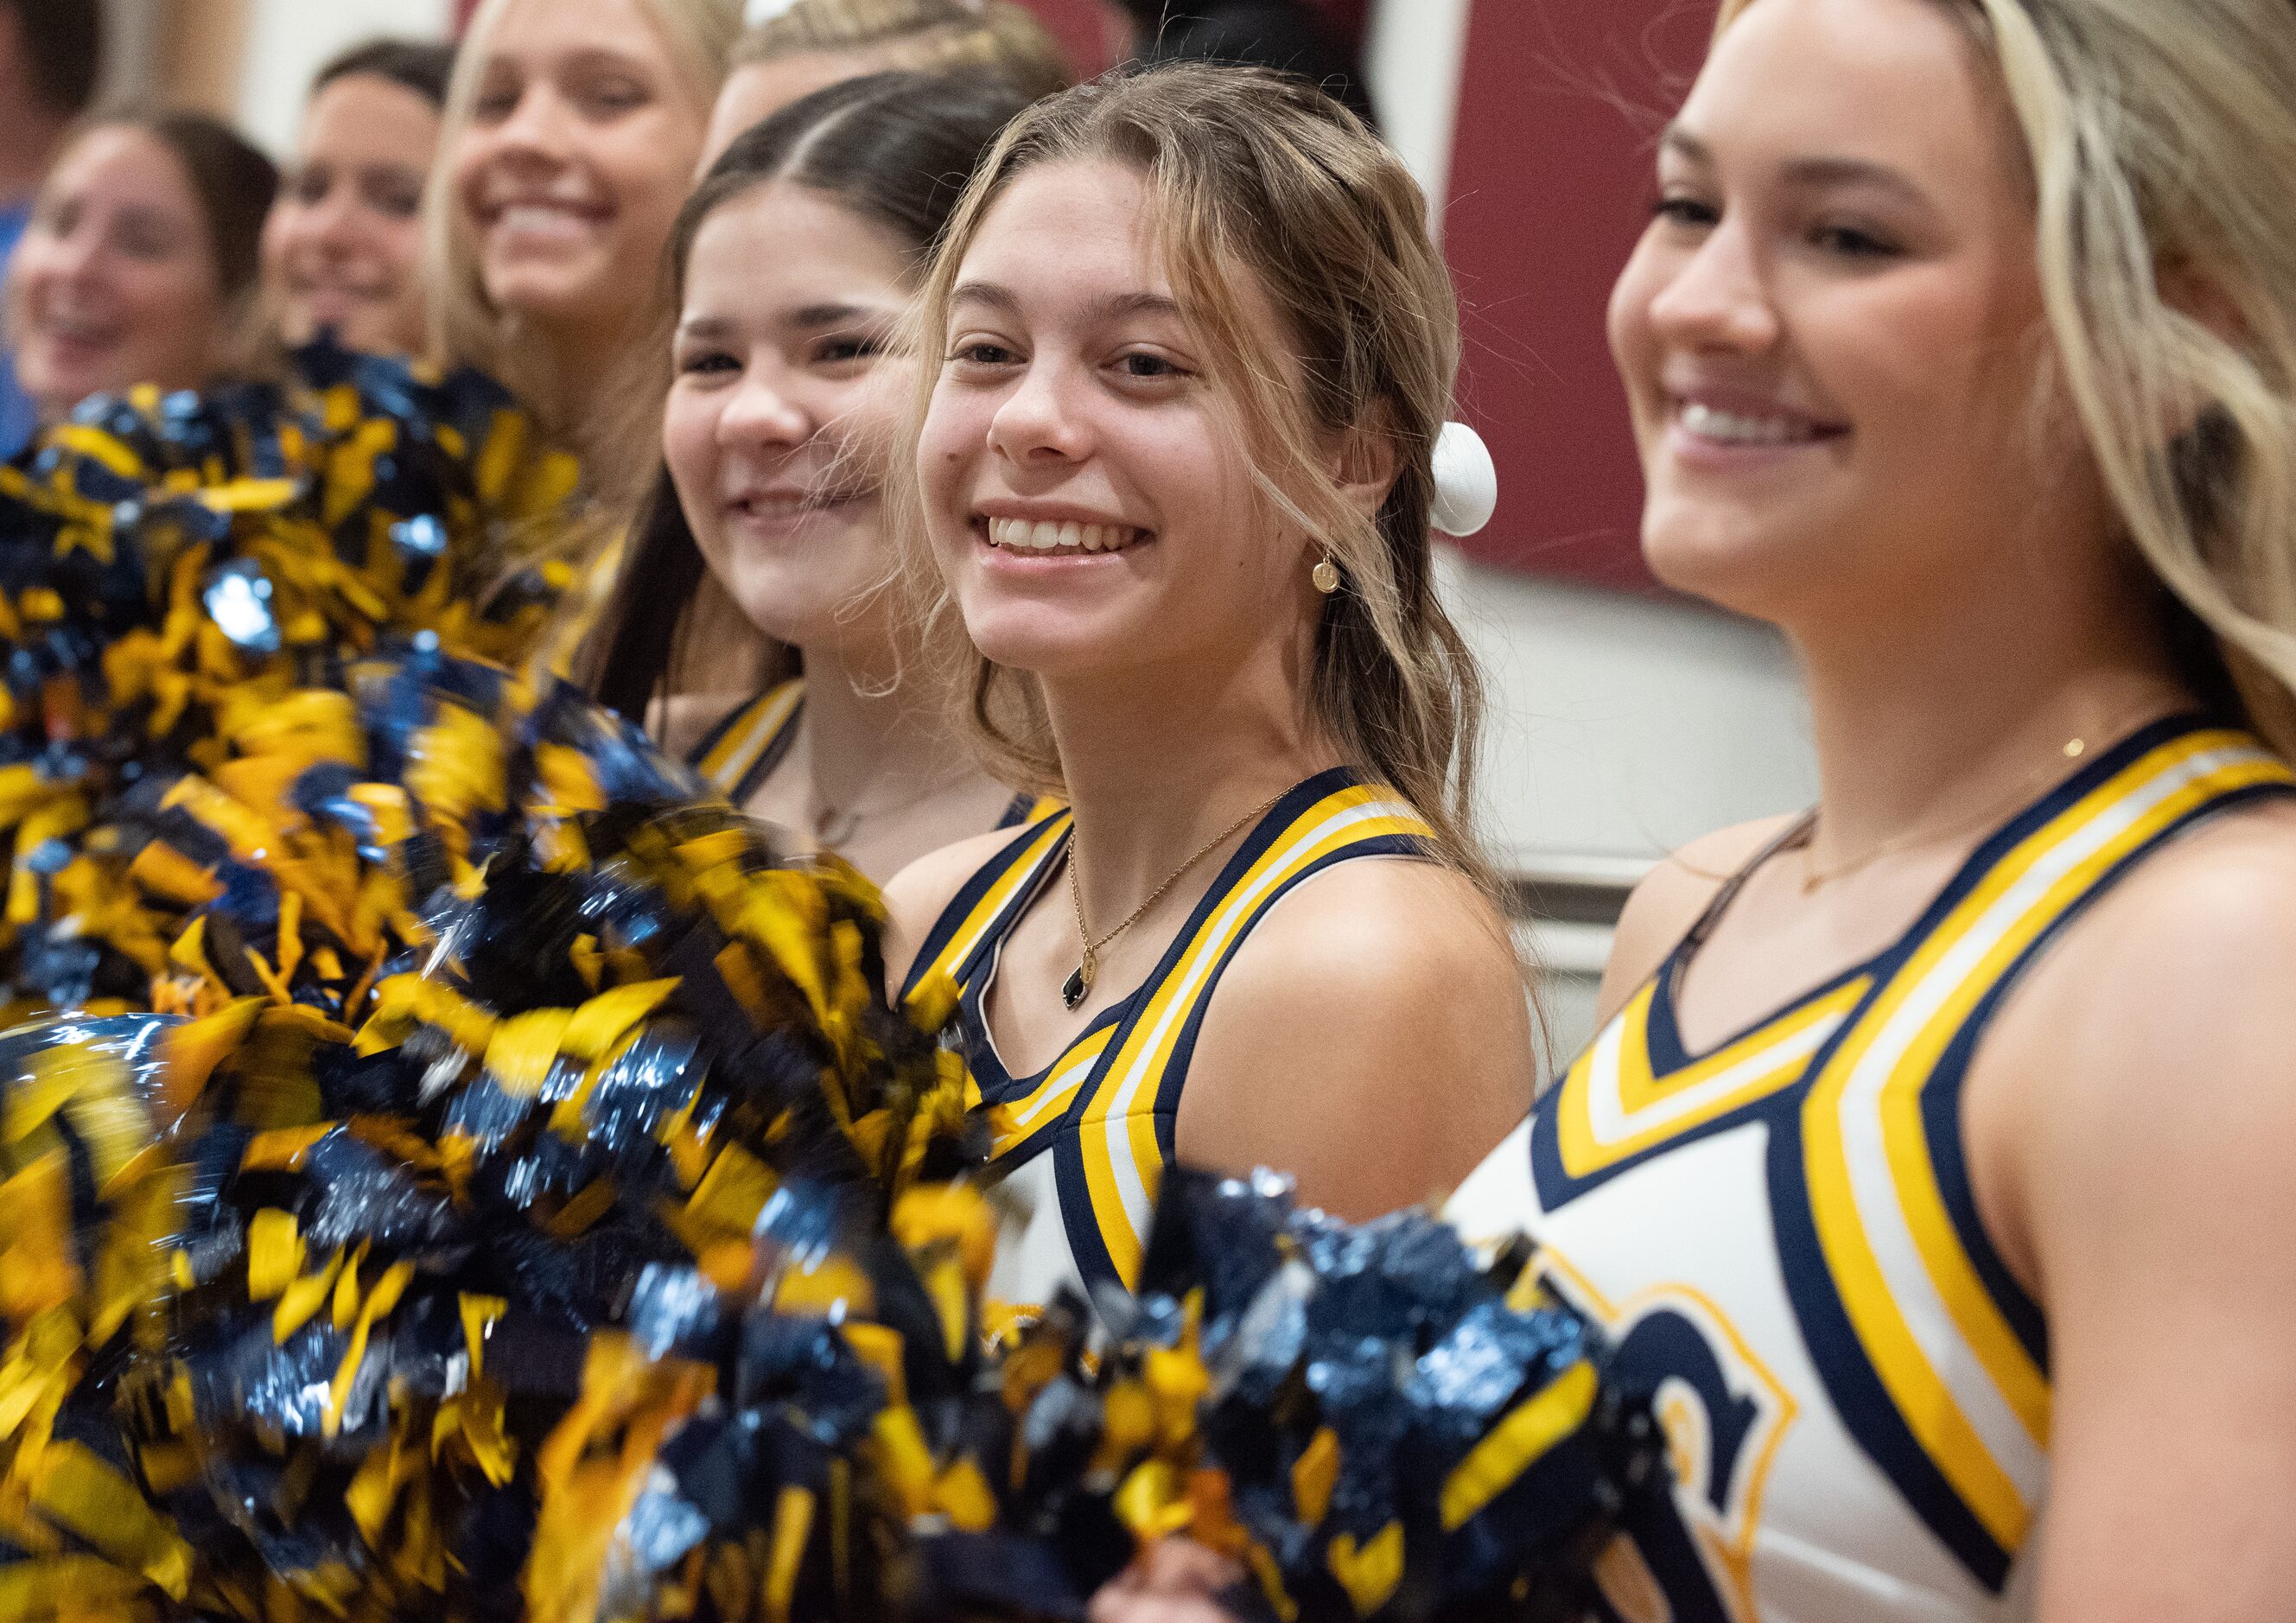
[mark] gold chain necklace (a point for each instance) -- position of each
(1078, 984)
(2073, 749)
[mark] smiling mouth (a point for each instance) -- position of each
(543, 219)
(73, 330)
(1041, 538)
(1761, 429)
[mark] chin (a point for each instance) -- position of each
(1746, 568)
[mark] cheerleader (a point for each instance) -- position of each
(1933, 1164)
(573, 129)
(342, 249)
(794, 261)
(140, 261)
(1175, 473)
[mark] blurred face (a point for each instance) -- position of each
(342, 247)
(582, 146)
(785, 402)
(756, 91)
(1829, 333)
(1088, 499)
(115, 280)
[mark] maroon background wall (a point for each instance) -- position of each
(1550, 185)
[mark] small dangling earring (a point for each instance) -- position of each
(1326, 576)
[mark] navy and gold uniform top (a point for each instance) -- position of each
(1082, 1145)
(1781, 1235)
(739, 753)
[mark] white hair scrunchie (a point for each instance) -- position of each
(1466, 482)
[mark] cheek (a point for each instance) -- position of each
(955, 434)
(689, 444)
(1633, 346)
(401, 242)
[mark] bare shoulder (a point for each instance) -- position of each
(1672, 895)
(2191, 956)
(918, 894)
(1371, 1036)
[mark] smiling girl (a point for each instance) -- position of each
(1176, 473)
(139, 262)
(342, 249)
(573, 128)
(1935, 1160)
(796, 260)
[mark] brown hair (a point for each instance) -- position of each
(2160, 140)
(1259, 173)
(233, 182)
(893, 149)
(919, 36)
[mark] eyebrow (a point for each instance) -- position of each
(1109, 306)
(709, 328)
(1808, 172)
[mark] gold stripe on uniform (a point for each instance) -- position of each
(1978, 1404)
(727, 761)
(1123, 1160)
(1613, 1107)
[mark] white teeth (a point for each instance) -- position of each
(1729, 428)
(538, 216)
(1024, 535)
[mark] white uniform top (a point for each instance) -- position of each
(1082, 1145)
(1781, 1237)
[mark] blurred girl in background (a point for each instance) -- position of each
(572, 133)
(140, 265)
(795, 261)
(816, 43)
(343, 248)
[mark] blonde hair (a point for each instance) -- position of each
(919, 36)
(466, 328)
(1256, 173)
(2161, 135)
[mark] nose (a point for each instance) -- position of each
(333, 223)
(1037, 421)
(1719, 298)
(763, 412)
(536, 126)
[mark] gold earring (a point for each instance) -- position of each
(1326, 576)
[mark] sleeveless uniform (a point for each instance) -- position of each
(739, 753)
(1780, 1235)
(1082, 1145)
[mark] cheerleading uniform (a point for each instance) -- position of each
(739, 753)
(1083, 1144)
(1780, 1235)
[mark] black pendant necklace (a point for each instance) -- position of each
(1079, 985)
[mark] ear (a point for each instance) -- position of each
(2201, 298)
(1364, 464)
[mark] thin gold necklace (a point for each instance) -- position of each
(833, 825)
(2072, 749)
(1074, 990)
